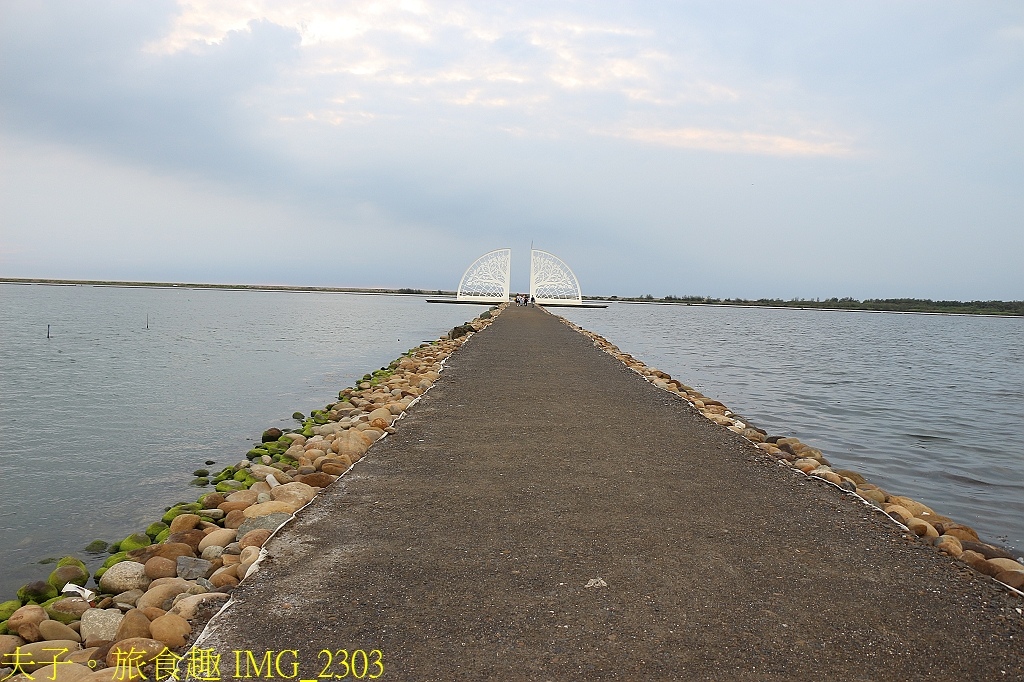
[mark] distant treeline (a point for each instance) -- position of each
(902, 305)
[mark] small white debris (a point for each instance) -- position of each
(596, 582)
(87, 595)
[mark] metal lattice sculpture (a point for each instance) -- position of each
(551, 280)
(487, 279)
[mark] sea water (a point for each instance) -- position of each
(927, 406)
(103, 423)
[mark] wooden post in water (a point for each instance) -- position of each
(47, 331)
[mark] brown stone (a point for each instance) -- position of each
(950, 545)
(211, 500)
(979, 563)
(916, 508)
(143, 649)
(960, 531)
(899, 512)
(272, 507)
(1007, 564)
(232, 506)
(224, 577)
(54, 629)
(83, 656)
(192, 538)
(1014, 579)
(44, 653)
(162, 596)
(221, 537)
(234, 519)
(317, 480)
(986, 550)
(168, 550)
(184, 522)
(874, 495)
(254, 538)
(62, 672)
(336, 467)
(9, 644)
(921, 528)
(171, 630)
(26, 614)
(247, 496)
(29, 632)
(134, 624)
(152, 612)
(160, 567)
(188, 607)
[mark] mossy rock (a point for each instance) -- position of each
(273, 433)
(308, 433)
(178, 510)
(114, 548)
(201, 472)
(230, 486)
(9, 607)
(49, 602)
(36, 592)
(62, 575)
(114, 559)
(320, 419)
(200, 482)
(154, 529)
(96, 547)
(98, 574)
(59, 616)
(4, 630)
(486, 315)
(161, 536)
(257, 452)
(241, 475)
(298, 416)
(48, 560)
(70, 561)
(136, 541)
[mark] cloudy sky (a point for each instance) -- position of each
(745, 149)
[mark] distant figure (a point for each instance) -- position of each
(532, 300)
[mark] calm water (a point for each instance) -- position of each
(923, 405)
(103, 424)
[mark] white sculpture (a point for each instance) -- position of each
(551, 280)
(487, 279)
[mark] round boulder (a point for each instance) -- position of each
(124, 576)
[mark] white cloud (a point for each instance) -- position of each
(741, 142)
(546, 69)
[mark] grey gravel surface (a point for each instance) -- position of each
(461, 547)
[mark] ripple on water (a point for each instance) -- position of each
(923, 405)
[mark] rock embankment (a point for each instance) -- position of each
(959, 541)
(158, 586)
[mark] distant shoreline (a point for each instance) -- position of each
(894, 305)
(240, 287)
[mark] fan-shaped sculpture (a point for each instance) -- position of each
(487, 279)
(551, 280)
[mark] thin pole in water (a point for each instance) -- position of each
(147, 320)
(47, 331)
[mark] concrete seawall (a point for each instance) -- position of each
(544, 513)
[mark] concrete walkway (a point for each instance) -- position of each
(462, 546)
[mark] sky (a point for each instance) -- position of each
(727, 149)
